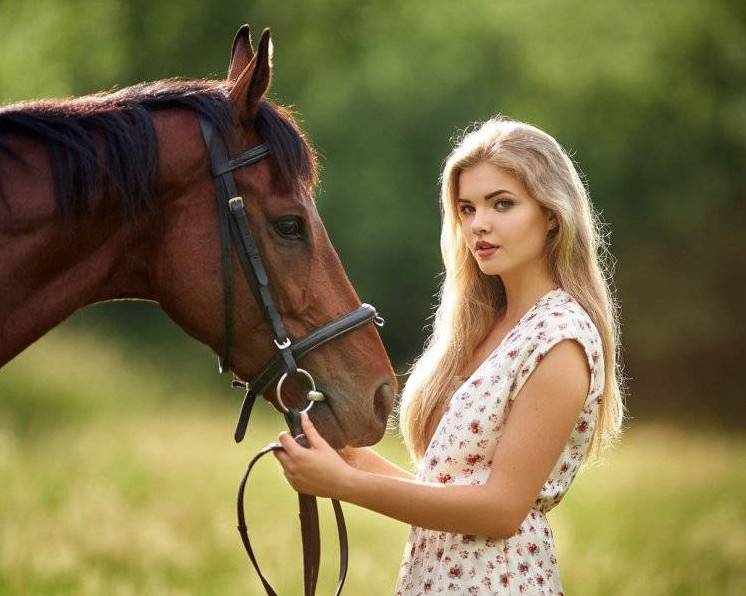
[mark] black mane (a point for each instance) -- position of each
(121, 124)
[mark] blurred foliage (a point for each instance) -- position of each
(648, 96)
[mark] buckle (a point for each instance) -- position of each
(235, 203)
(284, 345)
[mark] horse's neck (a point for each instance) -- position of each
(48, 272)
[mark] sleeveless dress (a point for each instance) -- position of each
(461, 450)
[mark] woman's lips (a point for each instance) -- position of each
(485, 251)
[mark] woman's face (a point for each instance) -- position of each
(504, 227)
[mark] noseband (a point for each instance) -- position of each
(235, 231)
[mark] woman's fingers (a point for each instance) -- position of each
(288, 443)
(313, 436)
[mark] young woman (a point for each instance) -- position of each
(500, 411)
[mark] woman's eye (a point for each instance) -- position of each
(465, 209)
(505, 201)
(290, 227)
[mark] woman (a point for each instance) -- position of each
(499, 412)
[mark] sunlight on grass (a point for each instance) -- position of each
(664, 514)
(112, 484)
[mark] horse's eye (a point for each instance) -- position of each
(290, 227)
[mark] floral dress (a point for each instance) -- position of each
(461, 450)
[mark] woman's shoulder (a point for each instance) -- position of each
(561, 312)
(556, 318)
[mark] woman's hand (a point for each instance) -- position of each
(315, 470)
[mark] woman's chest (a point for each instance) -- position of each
(463, 443)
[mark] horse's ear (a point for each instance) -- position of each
(254, 80)
(241, 53)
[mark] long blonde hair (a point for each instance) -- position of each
(471, 301)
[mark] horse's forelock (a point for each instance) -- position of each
(294, 155)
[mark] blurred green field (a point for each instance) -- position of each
(119, 476)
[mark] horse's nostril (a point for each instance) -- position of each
(383, 401)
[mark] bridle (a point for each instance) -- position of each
(235, 231)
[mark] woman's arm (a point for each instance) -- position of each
(535, 433)
(366, 459)
(449, 508)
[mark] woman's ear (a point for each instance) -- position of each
(552, 223)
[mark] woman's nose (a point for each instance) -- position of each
(479, 222)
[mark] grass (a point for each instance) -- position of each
(118, 478)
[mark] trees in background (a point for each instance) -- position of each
(649, 98)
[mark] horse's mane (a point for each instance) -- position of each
(107, 141)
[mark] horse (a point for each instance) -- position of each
(111, 196)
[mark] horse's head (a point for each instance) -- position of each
(308, 283)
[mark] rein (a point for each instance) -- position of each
(235, 231)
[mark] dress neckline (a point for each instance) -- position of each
(538, 302)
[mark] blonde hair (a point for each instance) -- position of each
(470, 300)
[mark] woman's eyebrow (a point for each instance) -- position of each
(498, 192)
(488, 196)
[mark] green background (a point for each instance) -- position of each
(115, 429)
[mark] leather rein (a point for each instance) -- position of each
(236, 232)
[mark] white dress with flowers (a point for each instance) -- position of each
(461, 450)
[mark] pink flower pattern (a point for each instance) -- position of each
(461, 450)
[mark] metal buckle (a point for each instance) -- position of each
(235, 203)
(283, 345)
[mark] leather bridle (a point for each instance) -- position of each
(235, 231)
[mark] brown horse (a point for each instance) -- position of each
(110, 196)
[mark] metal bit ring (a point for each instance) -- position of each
(282, 380)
